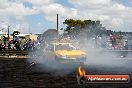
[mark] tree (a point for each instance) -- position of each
(73, 25)
(87, 22)
(77, 25)
(91, 28)
(16, 33)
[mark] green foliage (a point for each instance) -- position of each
(16, 33)
(89, 26)
(73, 25)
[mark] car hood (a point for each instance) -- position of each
(70, 53)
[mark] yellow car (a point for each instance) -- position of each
(66, 52)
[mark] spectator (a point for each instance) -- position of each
(4, 39)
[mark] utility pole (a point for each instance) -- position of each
(57, 23)
(8, 33)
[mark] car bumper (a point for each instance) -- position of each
(66, 60)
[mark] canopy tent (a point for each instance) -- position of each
(27, 36)
(2, 33)
(22, 35)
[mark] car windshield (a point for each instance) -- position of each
(65, 47)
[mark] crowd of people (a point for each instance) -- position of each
(112, 42)
(16, 44)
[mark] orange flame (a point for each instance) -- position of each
(81, 71)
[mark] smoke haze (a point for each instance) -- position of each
(96, 56)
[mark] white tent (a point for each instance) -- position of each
(22, 35)
(2, 33)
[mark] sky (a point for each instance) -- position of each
(36, 16)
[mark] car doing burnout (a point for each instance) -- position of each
(66, 52)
